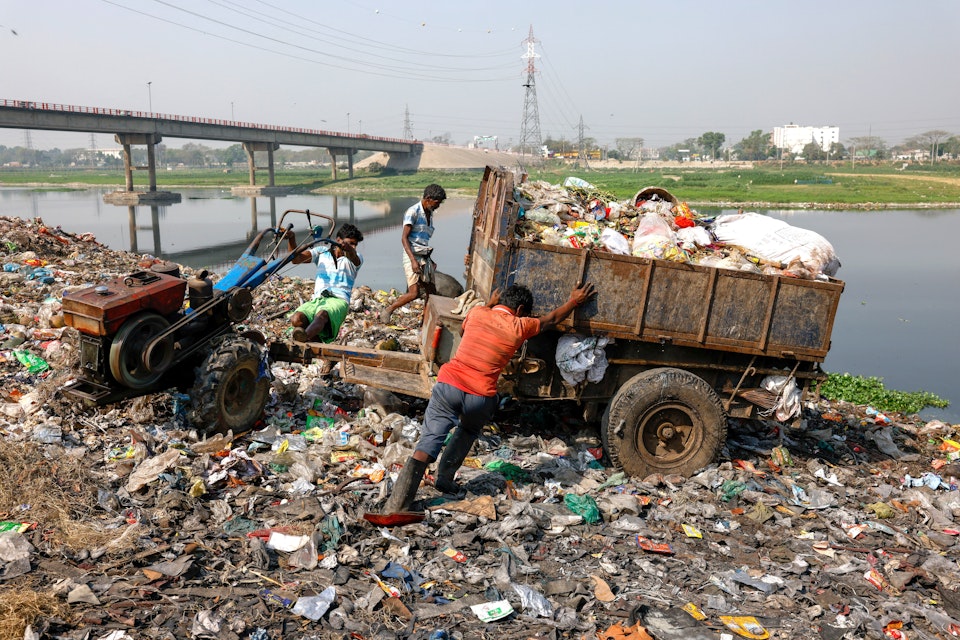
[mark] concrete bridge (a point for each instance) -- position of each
(142, 128)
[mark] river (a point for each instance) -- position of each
(895, 321)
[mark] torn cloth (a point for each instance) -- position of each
(580, 357)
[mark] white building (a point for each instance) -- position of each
(794, 138)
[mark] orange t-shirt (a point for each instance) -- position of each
(490, 338)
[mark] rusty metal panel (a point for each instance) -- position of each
(739, 307)
(803, 317)
(677, 301)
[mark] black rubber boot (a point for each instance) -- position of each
(405, 488)
(452, 457)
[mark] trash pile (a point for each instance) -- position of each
(121, 523)
(654, 224)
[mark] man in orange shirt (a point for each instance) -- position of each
(465, 394)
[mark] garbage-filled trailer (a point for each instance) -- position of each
(690, 344)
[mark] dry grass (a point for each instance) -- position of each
(20, 607)
(59, 494)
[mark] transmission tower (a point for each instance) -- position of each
(582, 147)
(407, 125)
(93, 149)
(530, 128)
(27, 140)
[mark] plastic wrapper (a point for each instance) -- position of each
(533, 602)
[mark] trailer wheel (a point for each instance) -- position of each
(230, 389)
(664, 421)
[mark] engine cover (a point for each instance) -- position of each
(101, 310)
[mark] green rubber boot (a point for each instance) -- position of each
(405, 487)
(452, 457)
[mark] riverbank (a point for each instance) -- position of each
(754, 187)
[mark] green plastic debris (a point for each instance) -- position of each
(615, 480)
(730, 489)
(508, 470)
(34, 364)
(584, 506)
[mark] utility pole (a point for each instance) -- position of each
(582, 147)
(530, 126)
(407, 125)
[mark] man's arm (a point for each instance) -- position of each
(303, 256)
(405, 241)
(578, 296)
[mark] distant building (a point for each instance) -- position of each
(794, 138)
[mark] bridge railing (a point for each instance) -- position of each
(105, 111)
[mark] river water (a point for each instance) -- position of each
(896, 318)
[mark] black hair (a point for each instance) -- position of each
(350, 231)
(434, 192)
(516, 296)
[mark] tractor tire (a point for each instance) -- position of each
(663, 421)
(230, 390)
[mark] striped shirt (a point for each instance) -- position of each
(335, 276)
(421, 229)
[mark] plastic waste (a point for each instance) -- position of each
(533, 601)
(583, 506)
(491, 611)
(314, 607)
(33, 363)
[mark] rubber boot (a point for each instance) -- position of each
(452, 457)
(405, 488)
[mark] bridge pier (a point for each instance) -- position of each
(270, 189)
(340, 151)
(129, 196)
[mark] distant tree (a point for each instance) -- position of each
(711, 141)
(443, 138)
(952, 146)
(812, 152)
(868, 146)
(929, 140)
(613, 154)
(756, 146)
(629, 148)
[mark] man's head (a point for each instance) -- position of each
(518, 298)
(349, 234)
(433, 197)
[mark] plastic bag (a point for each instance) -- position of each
(615, 242)
(314, 607)
(654, 238)
(777, 241)
(788, 400)
(583, 506)
(582, 357)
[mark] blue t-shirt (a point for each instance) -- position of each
(421, 229)
(335, 276)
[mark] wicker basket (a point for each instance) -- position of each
(646, 193)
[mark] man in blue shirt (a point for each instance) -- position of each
(415, 238)
(337, 266)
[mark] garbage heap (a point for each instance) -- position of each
(122, 522)
(654, 224)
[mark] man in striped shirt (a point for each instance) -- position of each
(415, 238)
(337, 265)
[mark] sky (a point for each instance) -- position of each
(662, 71)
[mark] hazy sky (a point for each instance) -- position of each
(664, 71)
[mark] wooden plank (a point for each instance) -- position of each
(407, 383)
